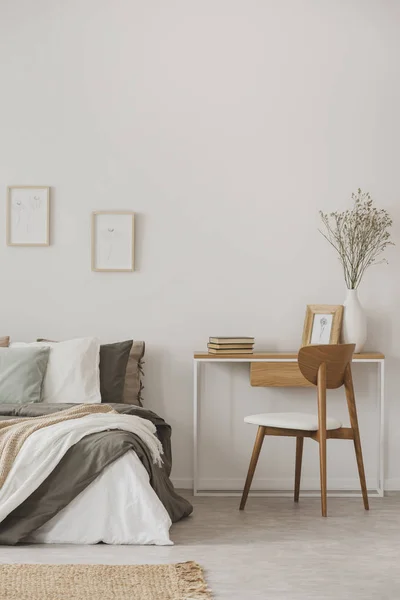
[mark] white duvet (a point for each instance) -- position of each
(119, 507)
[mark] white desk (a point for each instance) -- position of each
(201, 358)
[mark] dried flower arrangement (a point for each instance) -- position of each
(359, 236)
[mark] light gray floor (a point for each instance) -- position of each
(274, 550)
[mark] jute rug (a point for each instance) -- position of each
(182, 581)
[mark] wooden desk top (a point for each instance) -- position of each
(280, 355)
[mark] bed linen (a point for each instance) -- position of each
(15, 432)
(43, 450)
(82, 464)
(131, 514)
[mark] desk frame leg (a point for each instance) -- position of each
(382, 443)
(196, 418)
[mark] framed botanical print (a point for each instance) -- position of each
(113, 241)
(323, 324)
(28, 215)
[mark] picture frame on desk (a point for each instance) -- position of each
(322, 324)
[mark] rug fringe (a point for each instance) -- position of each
(192, 574)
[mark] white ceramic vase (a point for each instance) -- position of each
(354, 321)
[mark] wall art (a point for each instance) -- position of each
(28, 215)
(113, 241)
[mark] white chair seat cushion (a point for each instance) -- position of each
(291, 421)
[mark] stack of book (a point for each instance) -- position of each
(230, 345)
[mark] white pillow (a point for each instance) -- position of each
(73, 373)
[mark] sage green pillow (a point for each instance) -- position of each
(22, 371)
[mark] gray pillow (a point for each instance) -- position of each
(22, 371)
(134, 373)
(113, 362)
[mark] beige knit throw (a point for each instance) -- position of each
(14, 432)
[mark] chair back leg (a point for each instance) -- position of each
(297, 476)
(351, 404)
(253, 463)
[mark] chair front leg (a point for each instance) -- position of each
(253, 463)
(322, 435)
(322, 466)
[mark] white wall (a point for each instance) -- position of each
(226, 125)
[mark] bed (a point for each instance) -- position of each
(94, 479)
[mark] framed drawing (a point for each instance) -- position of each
(28, 215)
(323, 324)
(113, 241)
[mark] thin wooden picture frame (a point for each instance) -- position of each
(94, 233)
(9, 213)
(329, 320)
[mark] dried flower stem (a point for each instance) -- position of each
(359, 236)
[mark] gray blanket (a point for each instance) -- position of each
(82, 464)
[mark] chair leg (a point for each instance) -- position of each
(252, 467)
(322, 434)
(351, 404)
(297, 476)
(322, 466)
(360, 465)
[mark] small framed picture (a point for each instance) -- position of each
(28, 215)
(323, 324)
(113, 241)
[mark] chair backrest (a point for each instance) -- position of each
(336, 358)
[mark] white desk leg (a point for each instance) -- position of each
(196, 372)
(382, 448)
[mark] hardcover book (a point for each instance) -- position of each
(231, 346)
(231, 340)
(243, 351)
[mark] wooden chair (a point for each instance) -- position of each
(327, 367)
